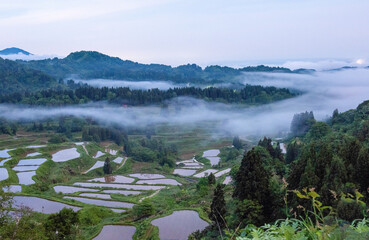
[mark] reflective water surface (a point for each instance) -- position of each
(116, 232)
(179, 225)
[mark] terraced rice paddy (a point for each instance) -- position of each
(118, 160)
(179, 225)
(41, 205)
(112, 204)
(164, 181)
(98, 164)
(184, 172)
(123, 192)
(13, 189)
(146, 176)
(119, 186)
(3, 174)
(70, 189)
(99, 154)
(33, 154)
(31, 162)
(65, 155)
(205, 173)
(26, 177)
(113, 179)
(116, 232)
(227, 180)
(4, 153)
(212, 155)
(95, 195)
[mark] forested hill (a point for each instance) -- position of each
(13, 50)
(91, 64)
(251, 95)
(15, 77)
(333, 158)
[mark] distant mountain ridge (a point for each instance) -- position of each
(14, 50)
(92, 64)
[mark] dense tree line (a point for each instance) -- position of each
(15, 77)
(8, 127)
(123, 95)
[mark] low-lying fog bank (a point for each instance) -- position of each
(324, 92)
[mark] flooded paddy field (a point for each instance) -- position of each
(146, 176)
(3, 174)
(179, 225)
(41, 205)
(132, 183)
(113, 179)
(159, 181)
(112, 204)
(65, 155)
(116, 232)
(70, 189)
(119, 186)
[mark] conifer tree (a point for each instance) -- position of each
(237, 143)
(107, 166)
(252, 182)
(218, 207)
(211, 179)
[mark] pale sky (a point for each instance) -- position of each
(190, 31)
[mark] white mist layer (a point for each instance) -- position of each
(323, 92)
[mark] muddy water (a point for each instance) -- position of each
(146, 175)
(113, 179)
(65, 155)
(41, 205)
(69, 189)
(159, 181)
(123, 186)
(116, 232)
(97, 202)
(179, 225)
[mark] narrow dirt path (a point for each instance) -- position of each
(84, 148)
(124, 161)
(150, 195)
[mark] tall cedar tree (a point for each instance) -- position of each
(107, 166)
(237, 142)
(218, 207)
(252, 182)
(211, 179)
